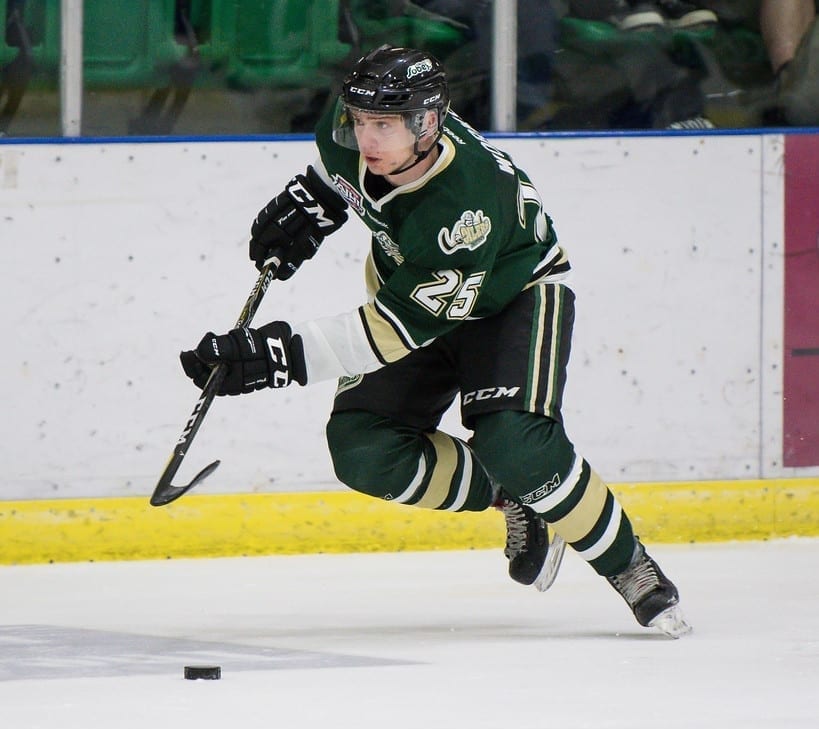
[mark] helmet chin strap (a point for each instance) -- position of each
(419, 155)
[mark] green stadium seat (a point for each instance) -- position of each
(377, 23)
(326, 45)
(269, 43)
(209, 22)
(129, 44)
(171, 46)
(126, 43)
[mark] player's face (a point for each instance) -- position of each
(384, 141)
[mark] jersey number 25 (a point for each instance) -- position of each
(451, 292)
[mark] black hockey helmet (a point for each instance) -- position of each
(392, 80)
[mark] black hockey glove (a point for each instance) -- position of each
(269, 356)
(296, 222)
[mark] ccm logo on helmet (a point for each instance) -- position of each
(420, 67)
(363, 92)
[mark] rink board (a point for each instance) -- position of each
(200, 525)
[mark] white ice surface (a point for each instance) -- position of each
(437, 640)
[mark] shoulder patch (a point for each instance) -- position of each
(471, 231)
(350, 194)
(389, 246)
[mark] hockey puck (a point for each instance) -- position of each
(207, 672)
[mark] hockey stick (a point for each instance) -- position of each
(165, 491)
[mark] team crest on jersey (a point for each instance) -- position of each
(470, 232)
(389, 246)
(351, 196)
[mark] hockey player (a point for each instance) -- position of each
(467, 295)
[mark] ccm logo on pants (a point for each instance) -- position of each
(490, 393)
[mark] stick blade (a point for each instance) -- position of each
(165, 492)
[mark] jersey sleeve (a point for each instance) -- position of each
(431, 292)
(414, 307)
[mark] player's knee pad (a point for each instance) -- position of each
(362, 447)
(523, 451)
(533, 459)
(382, 458)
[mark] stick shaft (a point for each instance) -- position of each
(165, 492)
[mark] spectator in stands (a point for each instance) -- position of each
(470, 70)
(642, 15)
(791, 34)
(641, 80)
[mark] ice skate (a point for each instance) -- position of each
(652, 597)
(527, 545)
(554, 556)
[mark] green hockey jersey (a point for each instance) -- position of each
(459, 243)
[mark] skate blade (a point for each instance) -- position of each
(671, 622)
(552, 564)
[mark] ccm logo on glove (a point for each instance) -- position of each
(278, 355)
(270, 356)
(293, 224)
(309, 204)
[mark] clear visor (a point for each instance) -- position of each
(375, 131)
